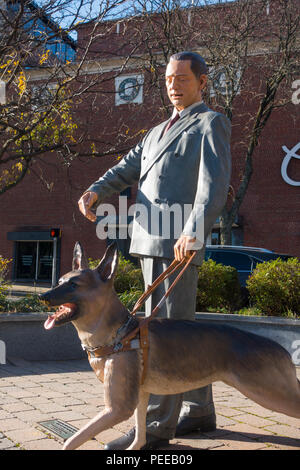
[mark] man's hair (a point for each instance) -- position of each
(198, 64)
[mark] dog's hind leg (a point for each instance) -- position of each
(140, 422)
(270, 381)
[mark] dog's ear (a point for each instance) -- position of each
(79, 260)
(108, 266)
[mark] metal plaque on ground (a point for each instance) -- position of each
(59, 427)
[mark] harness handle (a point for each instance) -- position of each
(173, 267)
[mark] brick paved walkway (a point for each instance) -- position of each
(69, 391)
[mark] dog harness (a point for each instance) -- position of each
(138, 336)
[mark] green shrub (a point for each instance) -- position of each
(128, 277)
(129, 283)
(274, 287)
(3, 273)
(129, 299)
(4, 303)
(218, 288)
(28, 304)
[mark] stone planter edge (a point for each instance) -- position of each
(24, 335)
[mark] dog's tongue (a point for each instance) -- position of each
(49, 323)
(64, 309)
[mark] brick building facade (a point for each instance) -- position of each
(270, 213)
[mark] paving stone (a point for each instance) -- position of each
(16, 392)
(257, 410)
(80, 422)
(87, 410)
(45, 392)
(11, 423)
(6, 444)
(197, 442)
(224, 421)
(43, 444)
(264, 435)
(126, 425)
(33, 416)
(253, 420)
(68, 401)
(284, 430)
(6, 398)
(4, 414)
(15, 407)
(24, 384)
(108, 435)
(240, 442)
(69, 415)
(284, 419)
(286, 443)
(50, 407)
(36, 400)
(227, 411)
(249, 430)
(217, 434)
(24, 435)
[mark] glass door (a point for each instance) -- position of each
(34, 260)
(45, 254)
(26, 260)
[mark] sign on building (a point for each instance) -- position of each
(129, 89)
(284, 166)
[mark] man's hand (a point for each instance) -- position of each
(183, 247)
(85, 203)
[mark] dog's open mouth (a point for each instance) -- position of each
(63, 314)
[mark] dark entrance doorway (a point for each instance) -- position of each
(34, 261)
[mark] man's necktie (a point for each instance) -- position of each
(170, 123)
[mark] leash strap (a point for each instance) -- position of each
(128, 343)
(168, 272)
(151, 288)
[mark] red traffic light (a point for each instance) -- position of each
(55, 232)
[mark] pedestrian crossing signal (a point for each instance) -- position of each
(55, 232)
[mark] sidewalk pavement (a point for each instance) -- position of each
(32, 392)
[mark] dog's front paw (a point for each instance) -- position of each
(136, 445)
(68, 445)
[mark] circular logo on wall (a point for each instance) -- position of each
(129, 89)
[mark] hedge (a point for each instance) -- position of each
(274, 287)
(218, 288)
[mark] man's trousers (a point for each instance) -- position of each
(164, 410)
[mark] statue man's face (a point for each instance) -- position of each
(183, 87)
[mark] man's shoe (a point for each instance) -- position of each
(152, 442)
(187, 425)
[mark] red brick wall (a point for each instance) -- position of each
(271, 209)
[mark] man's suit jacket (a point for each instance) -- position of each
(189, 166)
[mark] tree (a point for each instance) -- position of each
(240, 40)
(251, 47)
(251, 38)
(39, 73)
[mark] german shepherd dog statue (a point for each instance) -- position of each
(182, 355)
